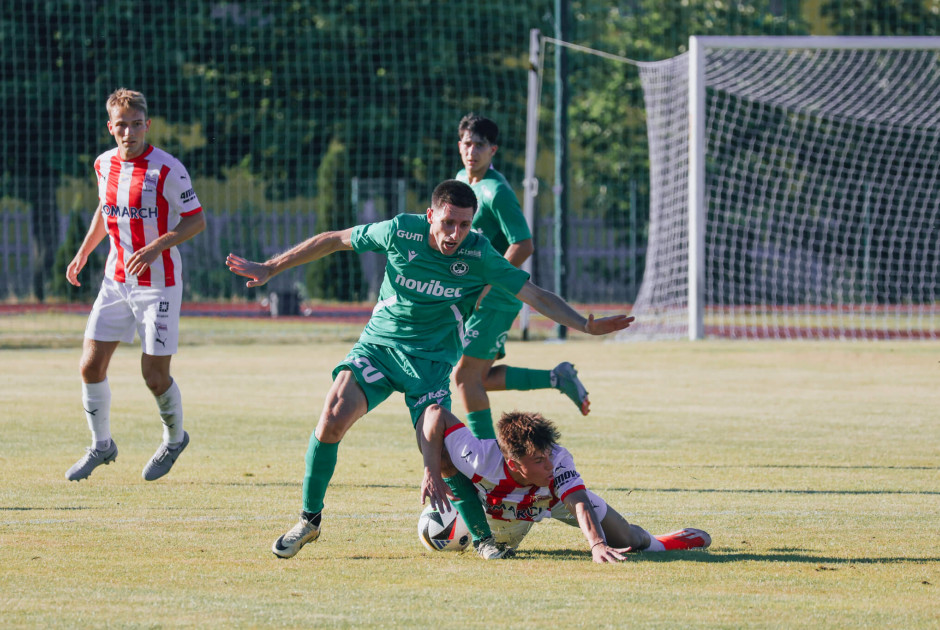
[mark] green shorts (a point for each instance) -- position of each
(381, 370)
(486, 333)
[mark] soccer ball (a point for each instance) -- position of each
(442, 531)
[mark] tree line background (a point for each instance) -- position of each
(323, 114)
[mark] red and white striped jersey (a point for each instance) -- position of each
(503, 498)
(142, 199)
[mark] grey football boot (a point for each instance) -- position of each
(163, 460)
(91, 460)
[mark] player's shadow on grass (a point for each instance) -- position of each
(44, 508)
(776, 491)
(789, 466)
(718, 556)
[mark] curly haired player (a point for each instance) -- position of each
(524, 476)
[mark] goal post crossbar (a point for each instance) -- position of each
(697, 83)
(835, 42)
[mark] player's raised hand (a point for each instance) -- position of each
(606, 325)
(258, 272)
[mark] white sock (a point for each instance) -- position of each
(655, 545)
(170, 403)
(96, 399)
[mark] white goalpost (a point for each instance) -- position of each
(795, 190)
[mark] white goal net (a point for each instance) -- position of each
(795, 190)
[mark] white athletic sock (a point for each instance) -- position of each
(170, 403)
(655, 545)
(96, 400)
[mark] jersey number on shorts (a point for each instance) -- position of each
(369, 373)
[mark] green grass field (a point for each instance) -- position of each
(814, 466)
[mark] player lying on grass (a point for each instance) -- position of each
(524, 476)
(434, 273)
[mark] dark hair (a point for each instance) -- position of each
(454, 192)
(522, 433)
(480, 125)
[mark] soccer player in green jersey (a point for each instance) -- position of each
(435, 270)
(499, 218)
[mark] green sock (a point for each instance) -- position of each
(468, 506)
(480, 424)
(321, 462)
(523, 379)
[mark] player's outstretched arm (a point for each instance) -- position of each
(555, 308)
(313, 248)
(430, 429)
(579, 504)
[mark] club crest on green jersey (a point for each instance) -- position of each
(459, 268)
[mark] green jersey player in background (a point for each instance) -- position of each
(435, 271)
(499, 218)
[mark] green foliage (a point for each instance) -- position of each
(265, 88)
(90, 276)
(883, 17)
(338, 276)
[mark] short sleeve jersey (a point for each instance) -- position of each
(499, 218)
(503, 498)
(426, 296)
(140, 200)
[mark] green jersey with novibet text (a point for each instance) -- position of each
(499, 218)
(426, 296)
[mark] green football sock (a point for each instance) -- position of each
(523, 379)
(468, 506)
(321, 462)
(480, 424)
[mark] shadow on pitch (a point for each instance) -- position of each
(781, 491)
(723, 557)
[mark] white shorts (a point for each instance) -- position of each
(511, 533)
(153, 312)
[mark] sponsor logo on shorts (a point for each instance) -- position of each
(164, 306)
(161, 328)
(409, 236)
(436, 396)
(459, 268)
(429, 288)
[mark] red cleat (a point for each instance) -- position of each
(687, 538)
